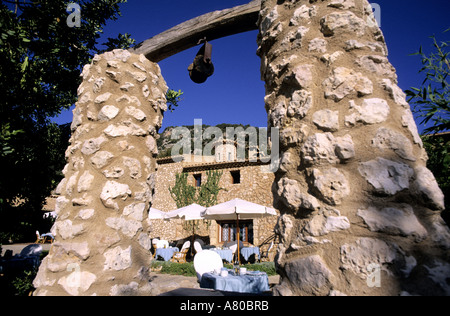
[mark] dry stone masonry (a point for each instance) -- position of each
(102, 242)
(360, 212)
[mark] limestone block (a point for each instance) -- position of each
(108, 112)
(386, 176)
(339, 23)
(427, 188)
(327, 120)
(101, 159)
(117, 259)
(379, 65)
(389, 139)
(113, 190)
(399, 220)
(124, 128)
(342, 4)
(102, 98)
(67, 230)
(319, 149)
(344, 148)
(302, 15)
(135, 113)
(318, 45)
(77, 282)
(134, 167)
(323, 224)
(344, 82)
(128, 227)
(310, 275)
(135, 211)
(292, 195)
(300, 104)
(330, 185)
(366, 252)
(86, 214)
(372, 111)
(92, 145)
(85, 181)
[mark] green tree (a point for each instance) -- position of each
(431, 103)
(41, 58)
(431, 100)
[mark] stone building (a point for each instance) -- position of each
(240, 179)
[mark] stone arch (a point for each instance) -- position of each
(357, 202)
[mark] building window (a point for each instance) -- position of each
(228, 233)
(198, 180)
(236, 177)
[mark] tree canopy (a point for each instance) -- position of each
(41, 58)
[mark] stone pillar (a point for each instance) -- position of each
(360, 212)
(102, 243)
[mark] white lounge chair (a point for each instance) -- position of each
(206, 261)
(198, 247)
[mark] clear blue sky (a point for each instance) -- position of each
(235, 93)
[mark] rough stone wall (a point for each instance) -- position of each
(360, 212)
(102, 243)
(255, 187)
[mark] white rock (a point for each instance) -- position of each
(103, 98)
(344, 82)
(342, 22)
(318, 45)
(101, 159)
(389, 139)
(108, 112)
(92, 145)
(322, 225)
(67, 230)
(134, 166)
(294, 197)
(327, 120)
(386, 176)
(128, 227)
(135, 211)
(113, 190)
(358, 256)
(377, 64)
(303, 76)
(85, 182)
(331, 185)
(344, 148)
(135, 113)
(427, 188)
(86, 214)
(319, 149)
(77, 282)
(124, 129)
(300, 104)
(117, 259)
(372, 111)
(394, 221)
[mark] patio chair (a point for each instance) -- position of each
(162, 244)
(198, 247)
(180, 257)
(265, 255)
(39, 238)
(44, 238)
(206, 261)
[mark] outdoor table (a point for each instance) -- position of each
(251, 282)
(247, 252)
(225, 254)
(166, 253)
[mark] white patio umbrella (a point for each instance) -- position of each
(191, 212)
(153, 213)
(238, 209)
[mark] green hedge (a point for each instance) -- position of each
(187, 269)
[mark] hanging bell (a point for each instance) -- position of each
(202, 68)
